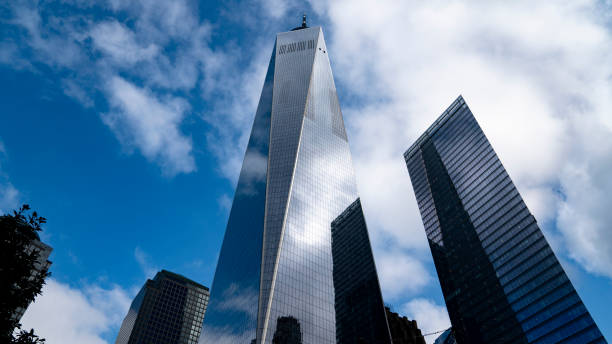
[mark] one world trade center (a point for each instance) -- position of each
(274, 281)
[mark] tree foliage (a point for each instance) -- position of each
(18, 285)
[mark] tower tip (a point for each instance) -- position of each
(304, 26)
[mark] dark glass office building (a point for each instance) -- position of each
(274, 277)
(403, 330)
(360, 313)
(501, 281)
(169, 309)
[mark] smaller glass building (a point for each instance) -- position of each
(501, 280)
(168, 309)
(403, 330)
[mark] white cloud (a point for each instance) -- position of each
(223, 336)
(165, 51)
(234, 299)
(145, 262)
(237, 299)
(254, 170)
(536, 75)
(141, 120)
(9, 55)
(429, 316)
(400, 274)
(9, 195)
(58, 50)
(119, 43)
(275, 8)
(162, 47)
(65, 315)
(389, 206)
(74, 90)
(584, 214)
(164, 20)
(233, 95)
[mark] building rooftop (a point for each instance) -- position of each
(181, 278)
(304, 26)
(445, 116)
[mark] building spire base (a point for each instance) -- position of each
(304, 26)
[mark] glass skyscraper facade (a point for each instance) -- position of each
(274, 279)
(168, 309)
(360, 312)
(501, 281)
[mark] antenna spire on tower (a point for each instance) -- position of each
(304, 26)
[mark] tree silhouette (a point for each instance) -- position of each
(18, 284)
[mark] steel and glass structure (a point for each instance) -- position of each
(360, 312)
(168, 309)
(274, 277)
(501, 281)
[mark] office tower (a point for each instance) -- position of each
(297, 177)
(403, 331)
(447, 337)
(501, 281)
(41, 265)
(168, 309)
(360, 313)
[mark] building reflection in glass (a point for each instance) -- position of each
(287, 331)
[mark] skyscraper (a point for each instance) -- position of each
(168, 309)
(403, 331)
(501, 281)
(360, 312)
(41, 265)
(275, 271)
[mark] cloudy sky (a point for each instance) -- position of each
(125, 124)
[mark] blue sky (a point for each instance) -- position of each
(124, 123)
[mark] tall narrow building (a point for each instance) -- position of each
(360, 312)
(168, 309)
(501, 281)
(274, 279)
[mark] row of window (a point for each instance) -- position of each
(439, 123)
(451, 138)
(296, 46)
